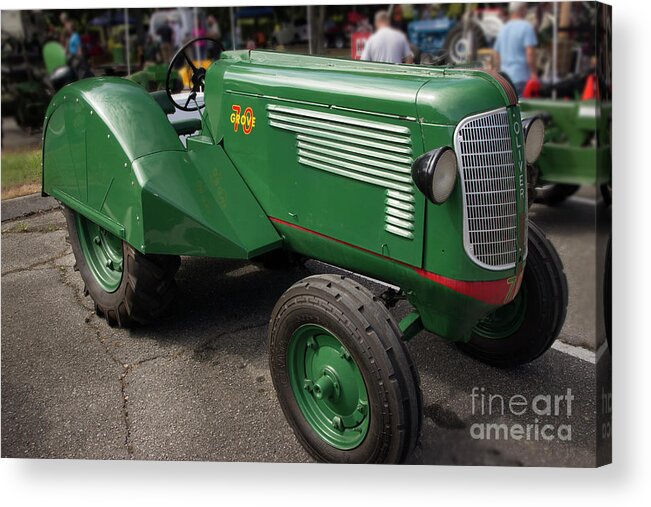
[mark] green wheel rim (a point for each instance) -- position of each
(103, 253)
(328, 387)
(506, 320)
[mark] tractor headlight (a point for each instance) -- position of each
(534, 137)
(435, 173)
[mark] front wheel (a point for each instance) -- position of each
(524, 329)
(343, 376)
(127, 286)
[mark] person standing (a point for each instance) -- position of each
(387, 44)
(166, 35)
(73, 45)
(515, 48)
(212, 27)
(212, 31)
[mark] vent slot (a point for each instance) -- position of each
(369, 151)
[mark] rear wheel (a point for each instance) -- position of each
(524, 329)
(127, 286)
(344, 378)
(458, 44)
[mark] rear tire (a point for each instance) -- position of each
(138, 290)
(339, 311)
(524, 329)
(456, 45)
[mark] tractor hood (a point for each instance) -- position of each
(436, 95)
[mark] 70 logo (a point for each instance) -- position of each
(246, 119)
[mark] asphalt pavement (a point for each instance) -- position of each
(196, 386)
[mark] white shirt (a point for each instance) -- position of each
(387, 45)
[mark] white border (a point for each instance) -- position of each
(84, 483)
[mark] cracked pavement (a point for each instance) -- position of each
(196, 386)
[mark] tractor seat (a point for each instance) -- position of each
(183, 127)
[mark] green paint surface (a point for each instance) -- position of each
(328, 387)
(324, 147)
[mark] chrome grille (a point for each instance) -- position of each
(487, 172)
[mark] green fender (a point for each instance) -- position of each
(111, 154)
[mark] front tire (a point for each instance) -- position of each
(524, 329)
(343, 376)
(127, 286)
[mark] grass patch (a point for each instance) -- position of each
(21, 173)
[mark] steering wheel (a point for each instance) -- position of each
(197, 80)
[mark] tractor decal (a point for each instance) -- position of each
(372, 152)
(246, 120)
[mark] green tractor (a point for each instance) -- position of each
(576, 150)
(413, 176)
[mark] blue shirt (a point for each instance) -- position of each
(512, 43)
(73, 44)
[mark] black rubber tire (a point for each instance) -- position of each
(370, 333)
(144, 294)
(555, 194)
(455, 34)
(546, 292)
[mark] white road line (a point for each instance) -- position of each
(574, 351)
(583, 200)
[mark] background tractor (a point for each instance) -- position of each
(410, 175)
(576, 150)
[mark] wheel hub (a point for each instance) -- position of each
(328, 387)
(102, 252)
(506, 320)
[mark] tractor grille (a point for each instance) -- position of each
(487, 170)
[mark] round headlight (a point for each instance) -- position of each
(435, 173)
(534, 137)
